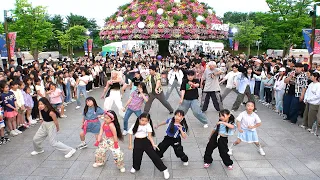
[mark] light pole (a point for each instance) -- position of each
(7, 34)
(258, 44)
(313, 32)
(88, 34)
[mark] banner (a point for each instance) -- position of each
(85, 46)
(90, 43)
(236, 46)
(12, 39)
(307, 39)
(3, 46)
(231, 42)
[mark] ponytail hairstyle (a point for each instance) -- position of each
(116, 123)
(230, 121)
(136, 125)
(183, 122)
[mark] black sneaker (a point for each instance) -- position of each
(7, 139)
(22, 128)
(82, 146)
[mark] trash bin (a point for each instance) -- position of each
(164, 78)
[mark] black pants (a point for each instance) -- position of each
(216, 100)
(144, 145)
(268, 93)
(257, 88)
(96, 81)
(222, 144)
(177, 147)
(19, 61)
(35, 110)
(89, 86)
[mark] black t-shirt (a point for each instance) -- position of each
(115, 86)
(136, 81)
(190, 93)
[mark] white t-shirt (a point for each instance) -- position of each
(248, 119)
(142, 131)
(231, 79)
(42, 91)
(82, 79)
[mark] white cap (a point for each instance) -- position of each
(212, 63)
(282, 69)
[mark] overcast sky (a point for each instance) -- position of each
(100, 9)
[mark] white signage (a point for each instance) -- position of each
(220, 27)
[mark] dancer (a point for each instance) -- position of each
(136, 81)
(143, 142)
(212, 87)
(219, 138)
(112, 93)
(175, 77)
(134, 104)
(189, 98)
(111, 129)
(247, 124)
(155, 90)
(177, 128)
(80, 86)
(90, 122)
(231, 79)
(49, 128)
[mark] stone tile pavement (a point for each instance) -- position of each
(291, 152)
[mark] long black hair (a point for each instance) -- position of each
(95, 105)
(230, 121)
(183, 122)
(246, 72)
(144, 87)
(46, 102)
(136, 125)
(117, 125)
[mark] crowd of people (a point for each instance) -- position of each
(39, 92)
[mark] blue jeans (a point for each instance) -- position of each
(196, 110)
(68, 92)
(127, 116)
(81, 89)
(261, 93)
(279, 99)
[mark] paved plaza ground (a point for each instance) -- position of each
(291, 152)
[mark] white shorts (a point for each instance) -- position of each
(2, 125)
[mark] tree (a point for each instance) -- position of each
(287, 19)
(1, 28)
(237, 17)
(57, 24)
(73, 37)
(33, 30)
(248, 33)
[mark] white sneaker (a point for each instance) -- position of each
(70, 154)
(261, 151)
(123, 170)
(230, 152)
(124, 132)
(97, 164)
(302, 126)
(64, 116)
(33, 153)
(205, 126)
(185, 163)
(78, 107)
(132, 171)
(73, 100)
(309, 129)
(17, 131)
(13, 133)
(33, 122)
(166, 174)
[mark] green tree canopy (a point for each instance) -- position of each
(33, 30)
(73, 37)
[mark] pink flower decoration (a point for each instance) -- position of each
(149, 18)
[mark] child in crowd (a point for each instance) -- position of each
(55, 96)
(268, 88)
(3, 139)
(90, 122)
(14, 85)
(136, 81)
(49, 127)
(111, 128)
(143, 142)
(177, 128)
(10, 109)
(219, 138)
(247, 123)
(28, 103)
(134, 104)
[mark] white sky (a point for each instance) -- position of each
(100, 9)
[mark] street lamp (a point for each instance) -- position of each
(88, 32)
(234, 31)
(313, 13)
(258, 44)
